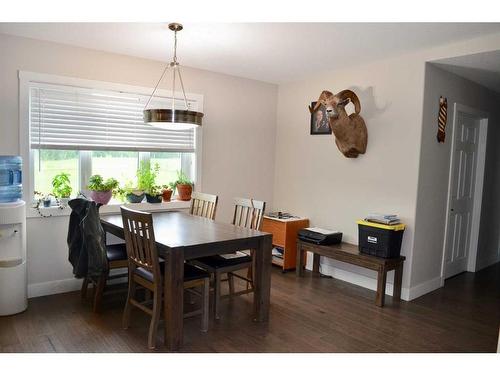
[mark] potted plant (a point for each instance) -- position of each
(47, 200)
(130, 194)
(184, 186)
(154, 194)
(167, 191)
(62, 188)
(101, 191)
(146, 181)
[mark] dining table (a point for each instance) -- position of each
(180, 237)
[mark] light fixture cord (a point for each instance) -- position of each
(175, 66)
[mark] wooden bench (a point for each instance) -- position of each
(349, 253)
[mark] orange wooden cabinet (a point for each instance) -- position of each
(284, 233)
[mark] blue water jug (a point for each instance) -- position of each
(11, 183)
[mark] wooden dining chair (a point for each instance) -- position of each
(116, 256)
(248, 213)
(146, 270)
(203, 204)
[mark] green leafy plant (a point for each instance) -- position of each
(169, 186)
(61, 185)
(182, 179)
(128, 188)
(146, 178)
(97, 183)
(155, 190)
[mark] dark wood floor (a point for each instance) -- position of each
(310, 315)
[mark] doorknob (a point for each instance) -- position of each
(452, 210)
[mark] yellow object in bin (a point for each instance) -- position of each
(396, 227)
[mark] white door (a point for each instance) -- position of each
(465, 154)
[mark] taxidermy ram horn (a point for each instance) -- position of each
(351, 135)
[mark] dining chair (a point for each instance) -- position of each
(203, 204)
(116, 256)
(84, 211)
(248, 213)
(146, 269)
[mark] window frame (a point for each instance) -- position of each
(85, 160)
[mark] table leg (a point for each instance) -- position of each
(262, 281)
(398, 281)
(381, 281)
(316, 259)
(173, 299)
(299, 267)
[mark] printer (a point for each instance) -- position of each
(320, 236)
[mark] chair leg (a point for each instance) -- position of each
(155, 319)
(101, 284)
(230, 281)
(128, 306)
(205, 305)
(250, 277)
(85, 285)
(218, 276)
(147, 295)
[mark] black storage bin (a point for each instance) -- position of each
(380, 240)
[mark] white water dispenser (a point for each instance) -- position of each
(13, 278)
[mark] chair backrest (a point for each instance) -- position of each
(248, 213)
(203, 204)
(140, 240)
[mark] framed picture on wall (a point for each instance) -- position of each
(319, 121)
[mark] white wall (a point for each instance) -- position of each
(313, 179)
(434, 172)
(238, 131)
(252, 149)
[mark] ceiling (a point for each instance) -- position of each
(271, 52)
(482, 68)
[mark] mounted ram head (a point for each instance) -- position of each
(351, 135)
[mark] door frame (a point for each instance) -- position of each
(478, 188)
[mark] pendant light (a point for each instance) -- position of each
(176, 119)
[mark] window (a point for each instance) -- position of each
(121, 165)
(49, 163)
(86, 127)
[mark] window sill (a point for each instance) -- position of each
(109, 209)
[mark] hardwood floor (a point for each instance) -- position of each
(313, 315)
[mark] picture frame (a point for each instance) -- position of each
(319, 121)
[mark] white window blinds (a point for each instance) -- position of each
(66, 117)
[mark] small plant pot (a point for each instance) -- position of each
(135, 198)
(166, 195)
(184, 191)
(153, 198)
(102, 197)
(46, 202)
(63, 202)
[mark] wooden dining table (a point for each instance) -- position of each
(180, 236)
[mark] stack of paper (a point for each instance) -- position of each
(388, 219)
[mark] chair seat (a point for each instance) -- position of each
(217, 261)
(190, 272)
(116, 252)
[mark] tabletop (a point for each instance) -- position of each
(178, 229)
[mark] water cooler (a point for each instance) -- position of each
(13, 277)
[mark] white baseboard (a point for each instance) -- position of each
(54, 287)
(483, 263)
(62, 286)
(407, 294)
(360, 280)
(424, 288)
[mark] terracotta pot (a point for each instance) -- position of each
(102, 197)
(167, 195)
(184, 191)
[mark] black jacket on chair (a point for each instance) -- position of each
(86, 240)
